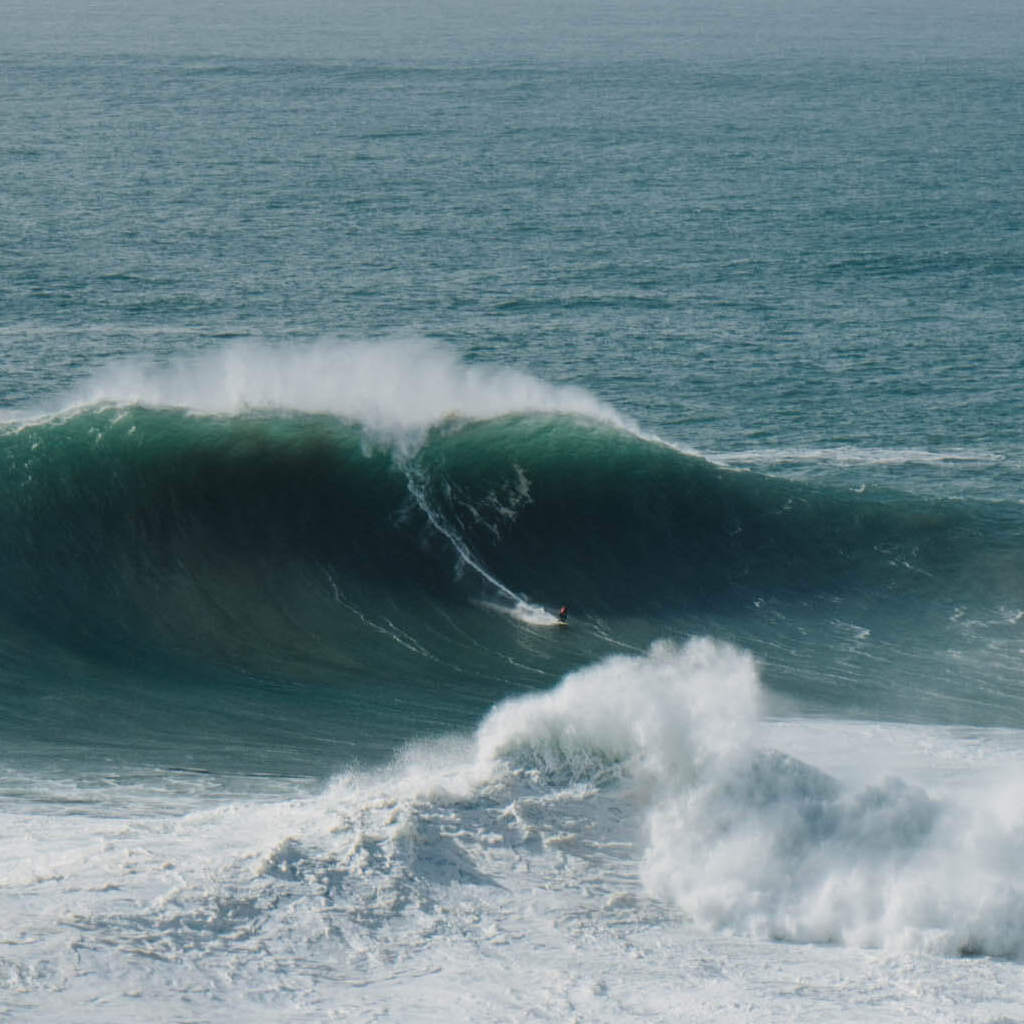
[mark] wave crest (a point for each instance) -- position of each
(394, 388)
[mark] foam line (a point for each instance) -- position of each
(848, 455)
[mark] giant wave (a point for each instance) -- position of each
(227, 524)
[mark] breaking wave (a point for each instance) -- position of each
(392, 521)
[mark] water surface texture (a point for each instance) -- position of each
(340, 347)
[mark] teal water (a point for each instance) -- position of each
(758, 252)
(806, 265)
(340, 345)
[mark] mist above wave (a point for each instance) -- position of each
(396, 387)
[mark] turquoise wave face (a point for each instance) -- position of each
(410, 587)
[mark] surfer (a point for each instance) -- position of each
(563, 613)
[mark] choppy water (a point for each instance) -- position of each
(341, 348)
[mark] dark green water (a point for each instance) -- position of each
(787, 241)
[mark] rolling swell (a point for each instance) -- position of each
(269, 549)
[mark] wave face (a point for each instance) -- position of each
(409, 561)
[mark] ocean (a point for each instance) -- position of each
(341, 345)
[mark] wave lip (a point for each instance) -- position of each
(395, 388)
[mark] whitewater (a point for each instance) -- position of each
(632, 844)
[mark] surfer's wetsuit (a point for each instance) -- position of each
(564, 613)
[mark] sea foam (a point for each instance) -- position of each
(395, 387)
(608, 814)
(750, 840)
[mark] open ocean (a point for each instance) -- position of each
(341, 344)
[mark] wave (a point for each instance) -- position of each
(642, 795)
(344, 514)
(750, 840)
(110, 508)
